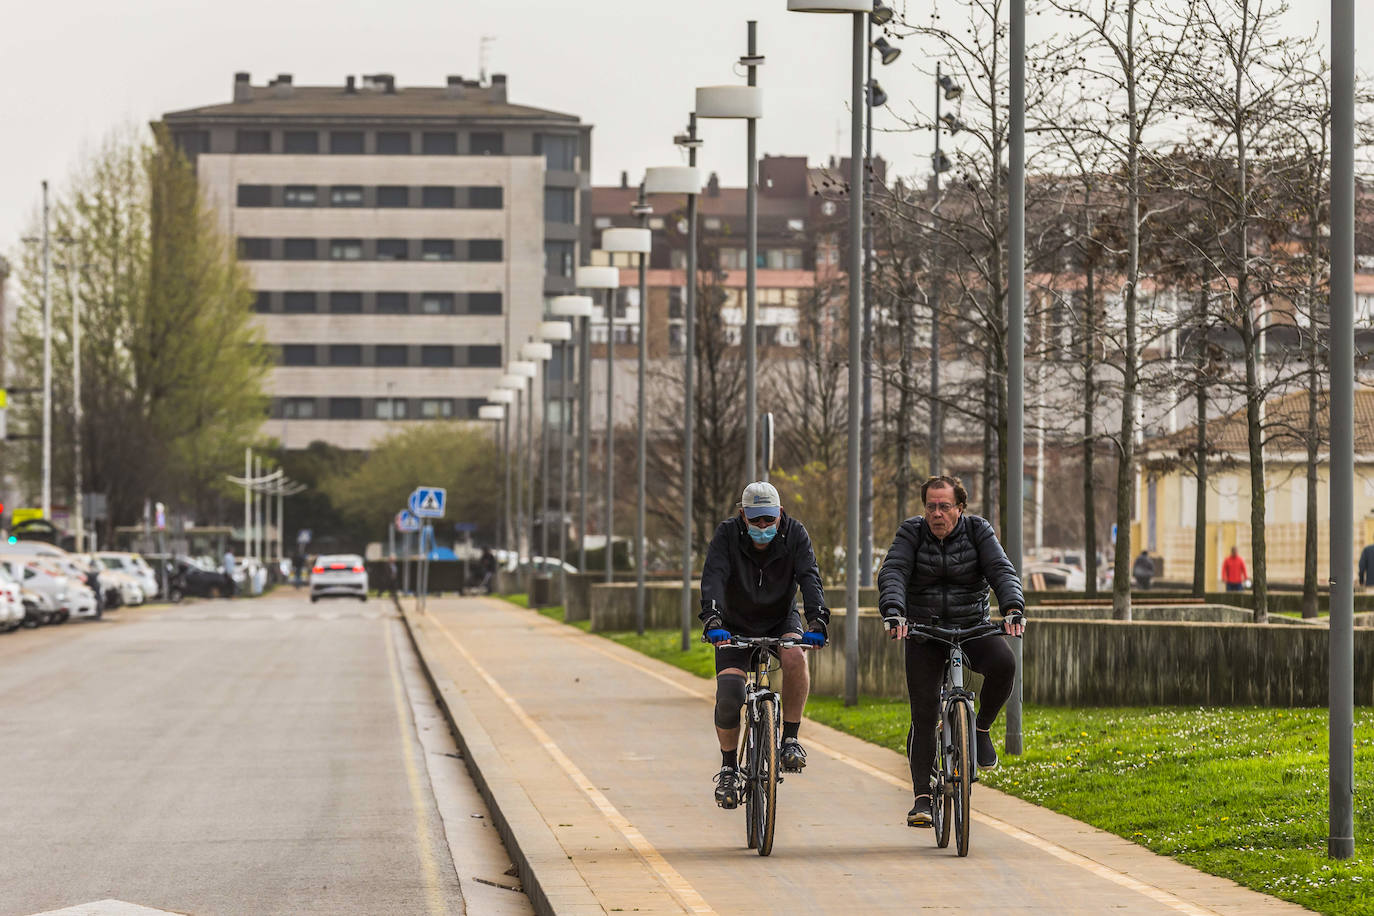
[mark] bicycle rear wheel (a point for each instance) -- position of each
(748, 754)
(765, 785)
(963, 761)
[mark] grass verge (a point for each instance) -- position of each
(1236, 792)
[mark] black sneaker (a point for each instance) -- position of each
(793, 756)
(727, 787)
(987, 754)
(919, 815)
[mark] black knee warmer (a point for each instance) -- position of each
(729, 699)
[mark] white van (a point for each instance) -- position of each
(131, 564)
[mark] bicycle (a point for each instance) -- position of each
(760, 741)
(956, 755)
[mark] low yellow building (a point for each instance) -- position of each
(1166, 498)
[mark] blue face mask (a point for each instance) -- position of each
(763, 535)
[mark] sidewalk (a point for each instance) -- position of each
(600, 762)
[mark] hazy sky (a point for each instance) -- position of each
(71, 71)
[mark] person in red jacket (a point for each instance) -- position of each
(1233, 571)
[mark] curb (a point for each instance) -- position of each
(541, 862)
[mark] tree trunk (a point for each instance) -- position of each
(904, 398)
(991, 487)
(1089, 437)
(1309, 560)
(1200, 570)
(1125, 469)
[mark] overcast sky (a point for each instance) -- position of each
(73, 70)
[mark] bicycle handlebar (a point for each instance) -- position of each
(953, 635)
(750, 642)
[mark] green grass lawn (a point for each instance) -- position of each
(1237, 792)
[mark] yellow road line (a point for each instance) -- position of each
(434, 897)
(677, 885)
(1159, 895)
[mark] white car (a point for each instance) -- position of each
(131, 564)
(11, 602)
(338, 575)
(53, 604)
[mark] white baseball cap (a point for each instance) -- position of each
(761, 498)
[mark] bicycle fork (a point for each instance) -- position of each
(955, 694)
(753, 704)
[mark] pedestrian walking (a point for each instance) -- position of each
(1367, 566)
(230, 567)
(1143, 569)
(1233, 571)
(487, 566)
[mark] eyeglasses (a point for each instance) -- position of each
(763, 521)
(942, 508)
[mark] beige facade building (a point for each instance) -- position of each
(402, 241)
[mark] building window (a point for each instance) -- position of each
(345, 355)
(300, 195)
(734, 258)
(781, 259)
(346, 142)
(298, 355)
(253, 141)
(485, 356)
(391, 354)
(558, 258)
(298, 408)
(436, 356)
(255, 249)
(436, 303)
(392, 250)
(436, 196)
(346, 303)
(484, 250)
(559, 150)
(346, 195)
(436, 408)
(560, 205)
(389, 408)
(299, 249)
(485, 144)
(193, 142)
(440, 144)
(345, 408)
(677, 259)
(712, 223)
(262, 303)
(255, 195)
(393, 195)
(345, 249)
(298, 303)
(301, 141)
(393, 303)
(486, 198)
(436, 250)
(484, 303)
(393, 143)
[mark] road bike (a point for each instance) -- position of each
(956, 754)
(760, 740)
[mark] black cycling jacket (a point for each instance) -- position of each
(752, 590)
(924, 578)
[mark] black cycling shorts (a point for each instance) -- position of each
(742, 657)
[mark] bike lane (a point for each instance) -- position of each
(606, 759)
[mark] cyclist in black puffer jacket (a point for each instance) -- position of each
(938, 570)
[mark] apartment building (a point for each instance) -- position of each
(402, 240)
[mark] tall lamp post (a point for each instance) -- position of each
(637, 241)
(504, 398)
(519, 374)
(685, 180)
(735, 103)
(608, 279)
(539, 353)
(858, 10)
(579, 308)
(576, 309)
(555, 332)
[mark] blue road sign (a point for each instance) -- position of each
(406, 521)
(428, 502)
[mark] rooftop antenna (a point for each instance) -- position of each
(485, 48)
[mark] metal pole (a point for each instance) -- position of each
(1341, 842)
(519, 475)
(856, 306)
(78, 509)
(529, 485)
(640, 552)
(247, 499)
(936, 411)
(866, 436)
(544, 475)
(505, 454)
(751, 219)
(47, 362)
(610, 431)
(584, 422)
(689, 393)
(281, 525)
(564, 429)
(1016, 336)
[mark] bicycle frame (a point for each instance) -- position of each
(952, 692)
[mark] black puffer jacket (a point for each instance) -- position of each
(752, 590)
(924, 578)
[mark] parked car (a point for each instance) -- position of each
(52, 603)
(118, 587)
(131, 564)
(185, 576)
(1056, 575)
(338, 575)
(11, 602)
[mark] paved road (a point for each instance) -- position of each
(616, 752)
(242, 756)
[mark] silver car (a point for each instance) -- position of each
(340, 575)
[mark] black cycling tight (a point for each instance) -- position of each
(990, 656)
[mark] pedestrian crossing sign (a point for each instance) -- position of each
(428, 502)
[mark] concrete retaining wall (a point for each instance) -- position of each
(612, 607)
(1137, 663)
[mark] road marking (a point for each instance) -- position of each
(417, 799)
(108, 907)
(1159, 895)
(677, 885)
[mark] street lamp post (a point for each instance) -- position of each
(539, 352)
(859, 11)
(503, 398)
(608, 279)
(46, 504)
(637, 241)
(553, 332)
(745, 102)
(579, 308)
(680, 180)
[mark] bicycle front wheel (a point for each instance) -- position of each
(748, 758)
(765, 785)
(963, 762)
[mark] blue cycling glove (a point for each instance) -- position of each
(717, 635)
(813, 638)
